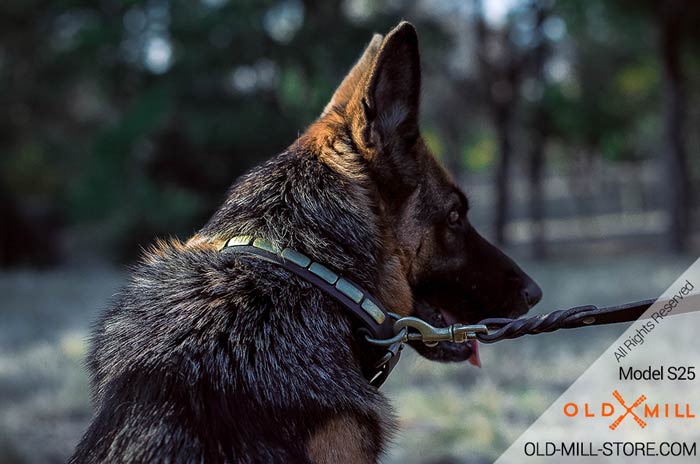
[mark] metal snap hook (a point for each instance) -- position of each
(431, 336)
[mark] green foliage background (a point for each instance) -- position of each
(121, 152)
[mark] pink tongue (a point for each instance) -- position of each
(474, 359)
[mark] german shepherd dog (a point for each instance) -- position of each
(208, 356)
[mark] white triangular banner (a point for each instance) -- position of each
(639, 402)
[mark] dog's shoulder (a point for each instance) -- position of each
(151, 318)
(196, 326)
(231, 341)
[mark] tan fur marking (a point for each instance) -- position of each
(158, 251)
(341, 440)
(394, 291)
(333, 150)
(201, 242)
(161, 249)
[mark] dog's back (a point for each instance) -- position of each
(209, 356)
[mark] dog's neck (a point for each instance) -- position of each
(337, 150)
(347, 228)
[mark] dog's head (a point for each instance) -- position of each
(451, 273)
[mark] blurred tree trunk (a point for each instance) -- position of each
(453, 130)
(500, 77)
(670, 18)
(502, 123)
(537, 162)
(539, 132)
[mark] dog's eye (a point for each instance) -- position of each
(454, 217)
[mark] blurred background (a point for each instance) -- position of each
(571, 125)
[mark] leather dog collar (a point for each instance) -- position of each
(376, 321)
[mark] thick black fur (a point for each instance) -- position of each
(214, 357)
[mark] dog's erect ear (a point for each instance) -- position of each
(385, 106)
(356, 75)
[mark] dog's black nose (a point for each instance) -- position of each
(532, 293)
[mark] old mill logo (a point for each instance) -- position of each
(638, 411)
(629, 410)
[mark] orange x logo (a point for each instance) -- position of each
(628, 410)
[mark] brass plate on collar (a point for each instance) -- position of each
(297, 258)
(373, 310)
(264, 245)
(349, 290)
(324, 273)
(240, 240)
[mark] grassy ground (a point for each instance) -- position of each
(448, 413)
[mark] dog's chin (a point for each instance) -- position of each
(444, 351)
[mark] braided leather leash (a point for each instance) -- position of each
(580, 316)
